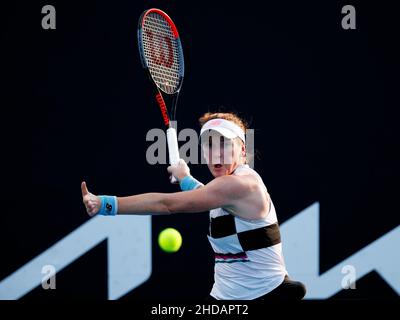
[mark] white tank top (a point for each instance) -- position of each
(248, 253)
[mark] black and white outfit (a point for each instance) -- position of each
(249, 263)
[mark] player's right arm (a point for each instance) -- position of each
(224, 191)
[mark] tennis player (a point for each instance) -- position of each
(244, 231)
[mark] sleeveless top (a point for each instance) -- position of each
(248, 253)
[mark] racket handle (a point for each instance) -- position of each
(173, 150)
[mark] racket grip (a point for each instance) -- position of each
(173, 150)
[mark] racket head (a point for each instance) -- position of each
(160, 50)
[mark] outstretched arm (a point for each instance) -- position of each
(220, 192)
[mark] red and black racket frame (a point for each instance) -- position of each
(172, 140)
(173, 98)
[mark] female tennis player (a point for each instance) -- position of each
(244, 231)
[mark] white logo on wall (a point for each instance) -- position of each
(129, 256)
(301, 251)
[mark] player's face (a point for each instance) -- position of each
(223, 155)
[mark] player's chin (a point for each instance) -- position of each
(217, 174)
(218, 170)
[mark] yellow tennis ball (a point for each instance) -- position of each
(170, 240)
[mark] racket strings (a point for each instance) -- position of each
(162, 53)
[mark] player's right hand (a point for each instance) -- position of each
(179, 170)
(91, 201)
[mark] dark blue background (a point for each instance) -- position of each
(75, 105)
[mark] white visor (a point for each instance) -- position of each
(227, 128)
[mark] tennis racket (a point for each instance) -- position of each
(162, 58)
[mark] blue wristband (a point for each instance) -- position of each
(189, 183)
(109, 206)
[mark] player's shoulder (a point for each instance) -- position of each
(238, 185)
(251, 175)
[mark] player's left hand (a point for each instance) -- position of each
(179, 170)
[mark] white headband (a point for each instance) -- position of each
(227, 128)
